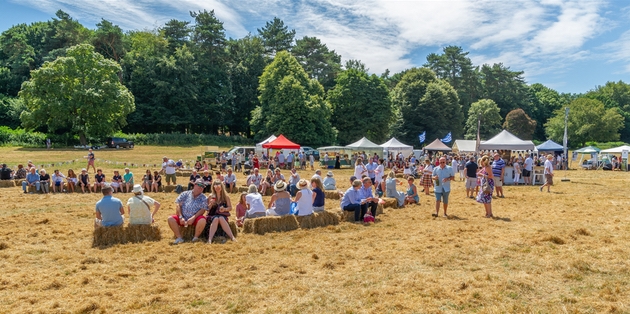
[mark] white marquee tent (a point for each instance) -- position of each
(259, 146)
(395, 146)
(464, 146)
(616, 150)
(506, 141)
(366, 145)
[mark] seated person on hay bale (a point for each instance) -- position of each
(194, 176)
(254, 205)
(230, 180)
(319, 197)
(189, 210)
(294, 178)
(109, 210)
(32, 179)
(255, 179)
(351, 201)
(280, 203)
(368, 201)
(139, 207)
(219, 207)
(304, 199)
(330, 184)
(6, 173)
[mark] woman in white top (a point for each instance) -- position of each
(140, 207)
(359, 169)
(304, 199)
(254, 201)
(379, 172)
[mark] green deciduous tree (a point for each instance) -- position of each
(10, 110)
(318, 61)
(488, 110)
(425, 103)
(80, 92)
(507, 88)
(520, 124)
(276, 37)
(544, 102)
(361, 107)
(292, 104)
(615, 95)
(588, 120)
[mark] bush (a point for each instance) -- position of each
(20, 137)
(605, 145)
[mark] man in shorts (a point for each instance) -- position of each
(189, 210)
(442, 176)
(527, 169)
(168, 166)
(548, 173)
(471, 177)
(498, 169)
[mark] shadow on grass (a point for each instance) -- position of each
(506, 219)
(587, 183)
(63, 149)
(453, 217)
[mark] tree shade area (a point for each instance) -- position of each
(186, 76)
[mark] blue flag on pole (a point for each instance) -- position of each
(447, 138)
(422, 137)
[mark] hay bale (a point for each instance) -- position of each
(141, 233)
(390, 202)
(179, 173)
(169, 188)
(347, 216)
(242, 189)
(332, 195)
(319, 219)
(7, 184)
(267, 224)
(400, 175)
(18, 182)
(269, 191)
(106, 236)
(189, 232)
(233, 228)
(379, 209)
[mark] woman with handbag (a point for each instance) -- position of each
(487, 185)
(219, 210)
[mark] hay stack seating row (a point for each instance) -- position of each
(107, 236)
(289, 222)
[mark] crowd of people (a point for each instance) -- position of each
(292, 195)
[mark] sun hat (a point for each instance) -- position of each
(137, 188)
(302, 184)
(200, 183)
(83, 169)
(280, 186)
(329, 174)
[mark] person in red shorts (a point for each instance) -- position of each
(190, 208)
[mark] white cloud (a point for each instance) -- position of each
(619, 51)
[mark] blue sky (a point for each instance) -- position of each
(570, 46)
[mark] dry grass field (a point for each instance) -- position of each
(561, 252)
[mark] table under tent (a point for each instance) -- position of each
(333, 152)
(506, 143)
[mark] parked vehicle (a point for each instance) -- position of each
(243, 150)
(310, 151)
(118, 142)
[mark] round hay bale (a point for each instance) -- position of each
(107, 236)
(7, 184)
(333, 195)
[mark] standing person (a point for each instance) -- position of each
(189, 210)
(527, 169)
(443, 175)
(427, 172)
(32, 179)
(169, 167)
(487, 178)
(90, 160)
(517, 172)
(455, 164)
(139, 207)
(498, 170)
(223, 161)
(294, 179)
(371, 170)
(48, 143)
(311, 160)
(230, 181)
(128, 180)
(548, 173)
(471, 177)
(359, 169)
(109, 210)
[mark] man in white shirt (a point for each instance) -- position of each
(230, 181)
(168, 166)
(527, 169)
(548, 173)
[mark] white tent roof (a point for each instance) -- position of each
(506, 141)
(616, 150)
(466, 146)
(269, 139)
(363, 143)
(394, 144)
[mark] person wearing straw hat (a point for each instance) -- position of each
(280, 203)
(189, 210)
(329, 182)
(548, 173)
(109, 210)
(139, 207)
(304, 199)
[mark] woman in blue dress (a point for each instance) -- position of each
(390, 185)
(412, 193)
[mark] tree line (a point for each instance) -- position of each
(59, 77)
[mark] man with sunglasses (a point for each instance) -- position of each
(189, 211)
(442, 175)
